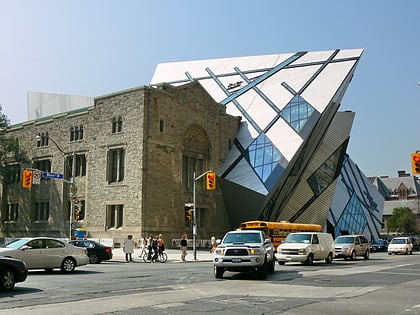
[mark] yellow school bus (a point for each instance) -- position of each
(277, 231)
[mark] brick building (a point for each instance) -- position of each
(131, 159)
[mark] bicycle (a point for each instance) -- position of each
(162, 257)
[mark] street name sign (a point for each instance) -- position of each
(52, 175)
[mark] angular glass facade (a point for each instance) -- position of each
(287, 103)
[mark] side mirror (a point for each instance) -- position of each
(25, 247)
(218, 241)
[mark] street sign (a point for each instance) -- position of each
(73, 189)
(36, 177)
(74, 199)
(52, 175)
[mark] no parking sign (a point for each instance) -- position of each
(36, 177)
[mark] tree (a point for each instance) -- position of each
(402, 220)
(9, 148)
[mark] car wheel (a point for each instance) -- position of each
(271, 266)
(353, 255)
(329, 259)
(93, 259)
(68, 265)
(263, 270)
(366, 256)
(389, 253)
(7, 280)
(310, 260)
(218, 272)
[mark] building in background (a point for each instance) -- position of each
(399, 192)
(269, 125)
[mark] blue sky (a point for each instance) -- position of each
(97, 47)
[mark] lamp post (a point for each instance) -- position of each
(195, 215)
(71, 181)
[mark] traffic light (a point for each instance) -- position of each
(415, 163)
(211, 180)
(77, 214)
(27, 179)
(189, 214)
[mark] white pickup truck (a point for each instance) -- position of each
(243, 251)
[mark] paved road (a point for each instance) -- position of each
(382, 285)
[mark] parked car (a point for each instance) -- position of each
(12, 271)
(351, 246)
(400, 245)
(46, 253)
(379, 246)
(97, 252)
(305, 247)
(243, 251)
(416, 242)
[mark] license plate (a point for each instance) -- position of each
(236, 260)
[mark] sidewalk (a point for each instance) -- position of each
(174, 255)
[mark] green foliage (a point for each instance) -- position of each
(9, 148)
(402, 220)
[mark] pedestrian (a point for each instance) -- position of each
(213, 244)
(155, 249)
(150, 247)
(142, 245)
(183, 246)
(128, 248)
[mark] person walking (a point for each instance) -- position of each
(213, 244)
(128, 248)
(183, 246)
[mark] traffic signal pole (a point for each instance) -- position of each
(195, 213)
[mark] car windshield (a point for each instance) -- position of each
(15, 244)
(344, 240)
(380, 242)
(298, 238)
(242, 238)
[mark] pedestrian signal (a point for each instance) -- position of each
(27, 179)
(211, 180)
(415, 163)
(189, 214)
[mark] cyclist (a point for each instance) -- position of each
(161, 244)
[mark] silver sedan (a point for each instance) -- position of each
(46, 253)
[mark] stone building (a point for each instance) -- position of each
(399, 192)
(128, 164)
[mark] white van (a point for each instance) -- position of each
(305, 247)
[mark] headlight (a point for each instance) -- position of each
(220, 251)
(254, 251)
(302, 251)
(279, 251)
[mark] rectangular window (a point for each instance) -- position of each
(189, 165)
(114, 216)
(11, 214)
(42, 211)
(43, 165)
(116, 165)
(13, 173)
(117, 125)
(79, 160)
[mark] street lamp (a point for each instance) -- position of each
(195, 214)
(71, 181)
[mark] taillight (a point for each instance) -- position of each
(107, 250)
